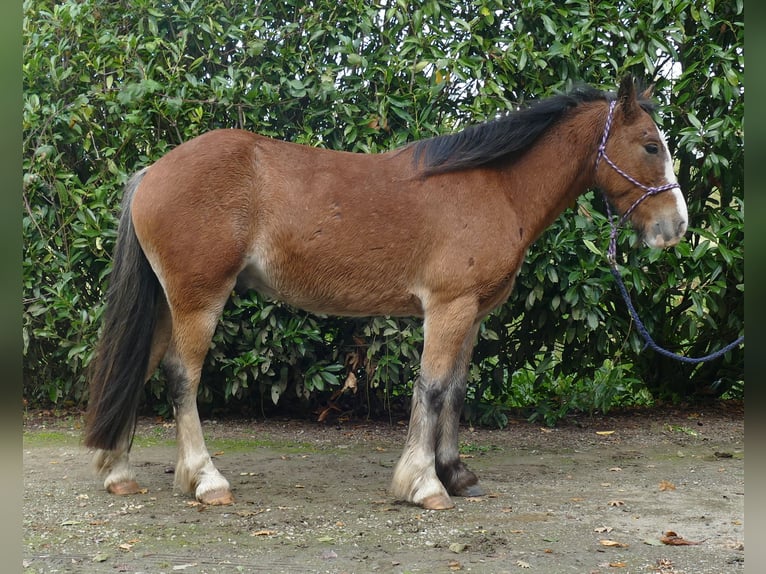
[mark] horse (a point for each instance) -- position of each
(437, 229)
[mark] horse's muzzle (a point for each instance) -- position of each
(666, 232)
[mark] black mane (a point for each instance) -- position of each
(512, 133)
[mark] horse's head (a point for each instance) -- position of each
(635, 170)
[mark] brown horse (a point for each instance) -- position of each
(436, 229)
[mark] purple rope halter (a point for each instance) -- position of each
(612, 251)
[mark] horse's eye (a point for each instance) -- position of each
(651, 148)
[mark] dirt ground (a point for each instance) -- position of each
(594, 495)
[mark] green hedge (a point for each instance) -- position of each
(111, 86)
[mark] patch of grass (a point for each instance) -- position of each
(681, 429)
(149, 441)
(247, 445)
(51, 438)
(468, 448)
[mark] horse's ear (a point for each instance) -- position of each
(626, 96)
(647, 93)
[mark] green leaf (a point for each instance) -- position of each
(591, 247)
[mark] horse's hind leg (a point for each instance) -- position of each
(114, 465)
(192, 332)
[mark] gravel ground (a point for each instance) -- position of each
(659, 491)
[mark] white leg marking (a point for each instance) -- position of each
(115, 465)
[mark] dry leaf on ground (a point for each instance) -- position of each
(263, 533)
(666, 485)
(672, 539)
(612, 543)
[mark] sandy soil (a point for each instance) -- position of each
(594, 495)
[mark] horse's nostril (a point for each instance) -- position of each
(681, 227)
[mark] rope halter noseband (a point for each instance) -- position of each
(612, 252)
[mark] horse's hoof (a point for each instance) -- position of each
(438, 502)
(123, 488)
(472, 490)
(217, 497)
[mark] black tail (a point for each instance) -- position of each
(118, 372)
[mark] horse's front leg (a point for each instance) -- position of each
(430, 454)
(452, 471)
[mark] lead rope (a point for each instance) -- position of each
(612, 253)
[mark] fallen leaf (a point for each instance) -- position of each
(125, 546)
(666, 485)
(603, 529)
(351, 382)
(616, 503)
(612, 543)
(604, 432)
(325, 539)
(218, 453)
(263, 533)
(615, 469)
(652, 542)
(672, 539)
(457, 547)
(617, 564)
(665, 566)
(522, 564)
(454, 565)
(326, 411)
(246, 513)
(184, 566)
(101, 557)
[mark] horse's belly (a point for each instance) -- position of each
(331, 290)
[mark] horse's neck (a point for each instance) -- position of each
(557, 169)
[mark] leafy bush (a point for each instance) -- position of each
(111, 86)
